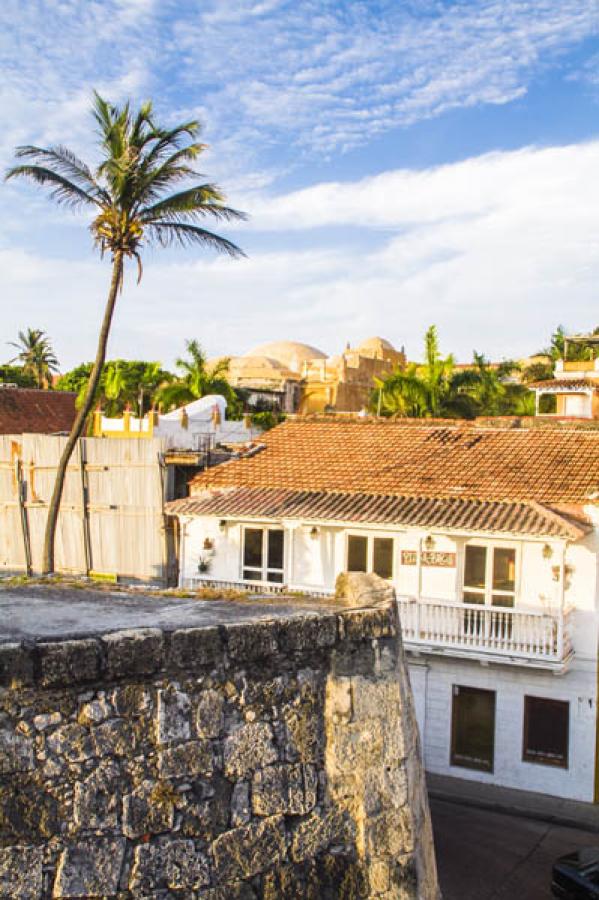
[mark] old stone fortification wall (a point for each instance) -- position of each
(273, 759)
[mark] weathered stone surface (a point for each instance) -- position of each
(241, 811)
(21, 873)
(284, 788)
(177, 865)
(251, 849)
(47, 720)
(303, 727)
(248, 748)
(209, 714)
(96, 798)
(16, 752)
(132, 700)
(68, 662)
(358, 589)
(95, 711)
(16, 666)
(133, 652)
(185, 760)
(173, 716)
(148, 809)
(114, 738)
(308, 633)
(359, 625)
(251, 643)
(317, 832)
(195, 648)
(71, 741)
(90, 868)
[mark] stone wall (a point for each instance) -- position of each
(261, 759)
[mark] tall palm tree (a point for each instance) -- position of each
(197, 380)
(35, 355)
(129, 195)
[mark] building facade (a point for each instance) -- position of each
(491, 540)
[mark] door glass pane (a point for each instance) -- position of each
(502, 600)
(382, 557)
(252, 547)
(275, 549)
(546, 727)
(357, 551)
(274, 576)
(504, 569)
(473, 728)
(474, 597)
(476, 562)
(252, 575)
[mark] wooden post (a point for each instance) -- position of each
(84, 510)
(21, 488)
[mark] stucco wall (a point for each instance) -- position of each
(266, 758)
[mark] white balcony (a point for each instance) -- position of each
(520, 636)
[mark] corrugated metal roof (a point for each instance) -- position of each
(455, 513)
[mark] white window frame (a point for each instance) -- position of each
(370, 539)
(487, 592)
(264, 569)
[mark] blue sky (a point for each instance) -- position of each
(404, 162)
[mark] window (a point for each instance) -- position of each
(489, 575)
(370, 554)
(473, 728)
(263, 553)
(546, 731)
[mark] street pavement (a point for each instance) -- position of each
(489, 855)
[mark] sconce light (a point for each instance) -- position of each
(314, 532)
(555, 571)
(429, 542)
(547, 551)
(222, 524)
(208, 544)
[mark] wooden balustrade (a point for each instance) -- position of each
(525, 634)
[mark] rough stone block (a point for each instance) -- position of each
(196, 648)
(186, 760)
(95, 711)
(148, 809)
(46, 720)
(358, 589)
(132, 700)
(249, 747)
(391, 830)
(249, 850)
(90, 868)
(284, 788)
(210, 714)
(240, 890)
(16, 752)
(308, 633)
(96, 799)
(354, 659)
(339, 700)
(240, 804)
(246, 642)
(303, 728)
(362, 624)
(317, 832)
(173, 716)
(133, 652)
(65, 663)
(16, 666)
(114, 738)
(21, 872)
(72, 742)
(177, 866)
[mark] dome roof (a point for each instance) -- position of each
(291, 354)
(258, 367)
(374, 344)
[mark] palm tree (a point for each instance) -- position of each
(35, 356)
(128, 193)
(197, 380)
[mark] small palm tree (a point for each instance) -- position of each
(128, 192)
(197, 380)
(35, 356)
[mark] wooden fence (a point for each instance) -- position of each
(111, 520)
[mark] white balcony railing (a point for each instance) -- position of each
(517, 635)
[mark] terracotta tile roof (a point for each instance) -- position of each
(29, 410)
(559, 466)
(451, 514)
(566, 384)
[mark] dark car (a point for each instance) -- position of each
(576, 876)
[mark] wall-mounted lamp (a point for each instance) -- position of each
(314, 532)
(547, 551)
(429, 542)
(222, 524)
(208, 544)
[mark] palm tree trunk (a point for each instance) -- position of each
(79, 423)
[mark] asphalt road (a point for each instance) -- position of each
(484, 855)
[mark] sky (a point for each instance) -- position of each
(402, 162)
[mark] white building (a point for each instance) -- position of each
(491, 539)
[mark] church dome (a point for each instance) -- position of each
(291, 354)
(244, 369)
(377, 346)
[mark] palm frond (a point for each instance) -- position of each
(196, 202)
(168, 233)
(64, 191)
(63, 161)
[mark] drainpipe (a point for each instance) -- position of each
(182, 536)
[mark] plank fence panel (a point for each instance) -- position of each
(111, 518)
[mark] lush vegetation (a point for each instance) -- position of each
(36, 356)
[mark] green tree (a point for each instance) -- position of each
(36, 356)
(198, 379)
(128, 192)
(16, 375)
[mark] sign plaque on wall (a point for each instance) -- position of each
(439, 558)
